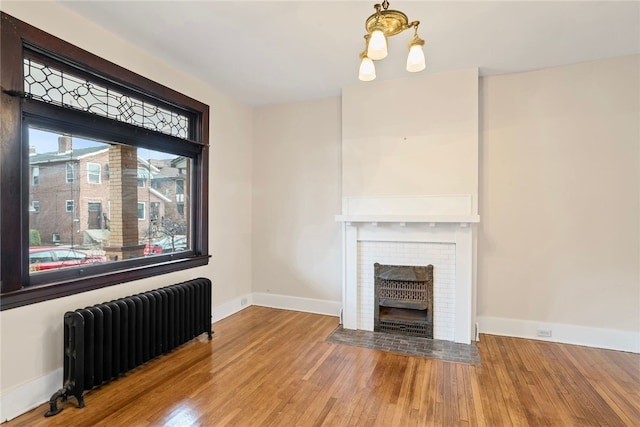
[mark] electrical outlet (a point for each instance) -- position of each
(243, 301)
(543, 332)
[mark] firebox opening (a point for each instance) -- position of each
(404, 300)
(403, 314)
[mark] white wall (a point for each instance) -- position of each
(296, 193)
(31, 340)
(414, 136)
(559, 241)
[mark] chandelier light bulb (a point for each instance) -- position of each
(367, 70)
(415, 59)
(377, 45)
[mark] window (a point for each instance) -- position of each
(93, 173)
(154, 214)
(180, 196)
(180, 190)
(71, 173)
(69, 255)
(40, 256)
(35, 175)
(140, 210)
(77, 112)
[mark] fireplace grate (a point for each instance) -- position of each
(412, 293)
(406, 327)
(404, 300)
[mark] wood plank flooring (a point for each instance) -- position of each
(268, 367)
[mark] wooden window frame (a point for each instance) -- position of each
(16, 286)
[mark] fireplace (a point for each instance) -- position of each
(404, 300)
(413, 230)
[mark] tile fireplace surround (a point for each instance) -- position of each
(413, 230)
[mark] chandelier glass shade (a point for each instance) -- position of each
(382, 24)
(415, 59)
(367, 70)
(377, 48)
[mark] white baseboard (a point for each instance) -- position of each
(612, 339)
(231, 307)
(308, 305)
(24, 398)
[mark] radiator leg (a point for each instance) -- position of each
(53, 406)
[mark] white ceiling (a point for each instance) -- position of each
(269, 52)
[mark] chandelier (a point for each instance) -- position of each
(386, 23)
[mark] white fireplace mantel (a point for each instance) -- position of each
(421, 219)
(409, 209)
(408, 219)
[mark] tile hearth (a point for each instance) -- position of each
(410, 346)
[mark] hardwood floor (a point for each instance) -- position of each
(268, 367)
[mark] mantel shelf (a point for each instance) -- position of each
(406, 219)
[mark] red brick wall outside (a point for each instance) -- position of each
(93, 193)
(52, 193)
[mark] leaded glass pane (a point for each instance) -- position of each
(47, 84)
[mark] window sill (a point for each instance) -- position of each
(36, 294)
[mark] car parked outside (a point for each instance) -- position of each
(167, 244)
(43, 258)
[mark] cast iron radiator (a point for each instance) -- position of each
(106, 340)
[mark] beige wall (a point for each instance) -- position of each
(31, 341)
(415, 136)
(559, 185)
(296, 193)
